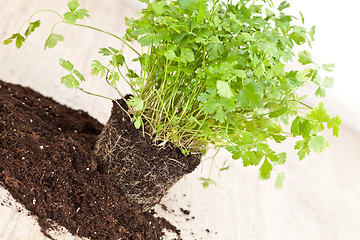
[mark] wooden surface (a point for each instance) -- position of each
(319, 201)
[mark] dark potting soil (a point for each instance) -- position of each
(46, 162)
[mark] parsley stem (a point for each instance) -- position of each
(97, 95)
(305, 105)
(131, 85)
(108, 33)
(113, 86)
(43, 10)
(52, 29)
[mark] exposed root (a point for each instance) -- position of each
(143, 171)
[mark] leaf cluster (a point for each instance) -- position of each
(69, 17)
(20, 39)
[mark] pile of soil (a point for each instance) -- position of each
(46, 162)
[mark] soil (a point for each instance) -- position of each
(48, 165)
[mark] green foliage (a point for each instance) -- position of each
(19, 40)
(72, 79)
(32, 27)
(206, 182)
(213, 73)
(309, 126)
(75, 13)
(53, 39)
(305, 57)
(279, 180)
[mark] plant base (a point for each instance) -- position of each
(143, 171)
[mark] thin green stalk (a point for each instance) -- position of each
(108, 33)
(43, 10)
(131, 85)
(116, 89)
(98, 95)
(305, 105)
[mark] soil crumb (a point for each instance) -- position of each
(184, 211)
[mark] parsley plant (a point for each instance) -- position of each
(213, 73)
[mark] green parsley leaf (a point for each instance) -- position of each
(249, 96)
(239, 73)
(118, 60)
(32, 27)
(250, 158)
(136, 102)
(75, 13)
(97, 68)
(79, 75)
(298, 35)
(53, 39)
(138, 122)
(206, 182)
(149, 39)
(211, 107)
(19, 40)
(301, 127)
(302, 18)
(114, 50)
(214, 48)
(335, 123)
(66, 64)
(329, 67)
(114, 77)
(302, 76)
(320, 92)
(203, 12)
(278, 112)
(283, 5)
(269, 13)
(220, 115)
(158, 7)
(265, 170)
(319, 113)
(318, 143)
(305, 57)
(204, 97)
(70, 17)
(304, 150)
(170, 54)
(81, 13)
(328, 82)
(105, 52)
(186, 55)
(312, 33)
(279, 180)
(132, 74)
(187, 4)
(224, 89)
(282, 158)
(70, 81)
(73, 5)
(10, 39)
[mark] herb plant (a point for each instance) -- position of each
(212, 73)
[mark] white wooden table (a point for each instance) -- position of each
(321, 194)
